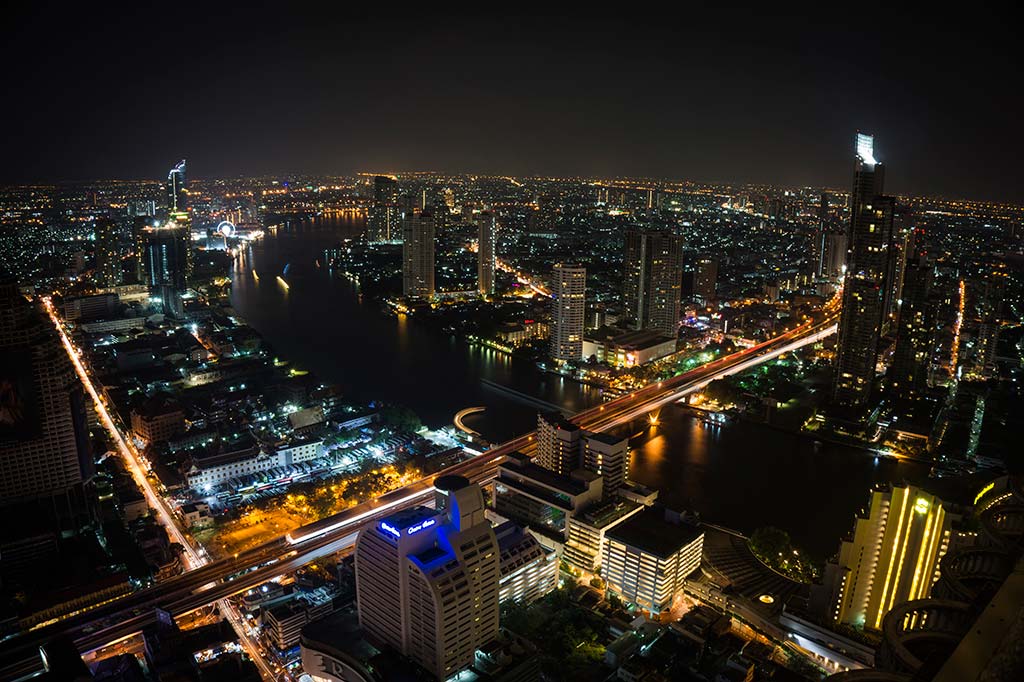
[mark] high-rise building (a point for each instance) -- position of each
(558, 443)
(384, 216)
(608, 457)
(485, 258)
(819, 239)
(705, 281)
(834, 258)
(177, 195)
(165, 252)
(653, 279)
(177, 211)
(418, 256)
(108, 253)
(891, 557)
(427, 580)
(568, 305)
(908, 372)
(45, 451)
(647, 558)
(528, 570)
(865, 289)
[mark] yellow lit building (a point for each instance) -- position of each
(892, 556)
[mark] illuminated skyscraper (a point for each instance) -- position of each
(608, 457)
(891, 557)
(44, 438)
(705, 281)
(652, 281)
(383, 220)
(108, 253)
(865, 290)
(909, 370)
(819, 239)
(177, 210)
(176, 193)
(485, 262)
(558, 443)
(418, 256)
(427, 580)
(165, 251)
(568, 305)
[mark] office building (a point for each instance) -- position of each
(418, 256)
(705, 280)
(166, 250)
(528, 570)
(653, 279)
(891, 557)
(427, 580)
(177, 195)
(558, 443)
(568, 305)
(542, 500)
(383, 220)
(868, 269)
(108, 253)
(608, 457)
(647, 558)
(485, 258)
(45, 453)
(834, 258)
(911, 359)
(587, 529)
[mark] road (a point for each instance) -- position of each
(207, 581)
(194, 556)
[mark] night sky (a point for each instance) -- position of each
(93, 91)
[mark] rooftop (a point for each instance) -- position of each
(650, 532)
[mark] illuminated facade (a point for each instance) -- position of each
(418, 256)
(705, 281)
(558, 443)
(383, 220)
(44, 437)
(646, 559)
(108, 254)
(653, 278)
(585, 544)
(868, 280)
(891, 557)
(427, 580)
(166, 252)
(569, 294)
(176, 193)
(608, 457)
(485, 263)
(909, 370)
(528, 570)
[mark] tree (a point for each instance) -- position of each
(401, 418)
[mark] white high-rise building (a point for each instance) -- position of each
(608, 457)
(558, 443)
(427, 580)
(569, 295)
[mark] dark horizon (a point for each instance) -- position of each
(721, 97)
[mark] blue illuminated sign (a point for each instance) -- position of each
(420, 526)
(390, 529)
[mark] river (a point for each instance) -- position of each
(741, 474)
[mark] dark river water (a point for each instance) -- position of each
(741, 475)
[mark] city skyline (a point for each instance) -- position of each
(534, 415)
